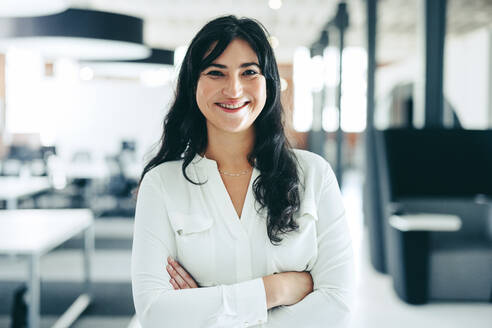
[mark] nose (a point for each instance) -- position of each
(233, 88)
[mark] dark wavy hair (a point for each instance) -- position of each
(185, 130)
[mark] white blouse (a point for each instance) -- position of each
(227, 256)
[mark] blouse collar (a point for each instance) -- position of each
(204, 161)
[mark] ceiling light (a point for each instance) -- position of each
(275, 4)
(21, 8)
(78, 34)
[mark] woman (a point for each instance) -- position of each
(233, 227)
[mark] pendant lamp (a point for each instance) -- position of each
(157, 57)
(157, 69)
(77, 33)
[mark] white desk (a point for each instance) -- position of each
(93, 171)
(32, 233)
(13, 188)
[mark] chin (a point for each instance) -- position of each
(236, 130)
(233, 128)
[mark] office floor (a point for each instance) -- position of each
(376, 306)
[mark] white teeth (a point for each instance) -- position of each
(231, 106)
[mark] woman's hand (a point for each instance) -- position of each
(180, 279)
(287, 288)
(296, 285)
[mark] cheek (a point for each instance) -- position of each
(260, 92)
(202, 94)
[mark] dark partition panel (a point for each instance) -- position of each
(439, 163)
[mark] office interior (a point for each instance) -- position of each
(396, 95)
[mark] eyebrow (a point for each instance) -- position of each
(241, 66)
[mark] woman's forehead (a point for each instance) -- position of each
(237, 52)
(246, 46)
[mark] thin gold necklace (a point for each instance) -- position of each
(234, 174)
(231, 174)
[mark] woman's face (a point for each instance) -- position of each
(231, 92)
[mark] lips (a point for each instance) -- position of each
(232, 107)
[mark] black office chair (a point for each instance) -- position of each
(437, 194)
(399, 109)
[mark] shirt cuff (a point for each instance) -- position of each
(251, 302)
(244, 303)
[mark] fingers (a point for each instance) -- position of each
(183, 273)
(180, 279)
(173, 282)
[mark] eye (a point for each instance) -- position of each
(250, 72)
(215, 73)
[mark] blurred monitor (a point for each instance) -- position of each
(23, 153)
(128, 145)
(47, 151)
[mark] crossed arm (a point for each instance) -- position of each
(285, 288)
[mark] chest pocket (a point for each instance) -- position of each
(299, 249)
(195, 245)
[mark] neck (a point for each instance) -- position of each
(230, 150)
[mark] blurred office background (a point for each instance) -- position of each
(396, 95)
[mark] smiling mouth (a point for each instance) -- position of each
(231, 107)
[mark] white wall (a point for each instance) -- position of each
(387, 77)
(80, 115)
(467, 80)
(97, 115)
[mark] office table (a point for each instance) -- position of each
(13, 188)
(91, 171)
(33, 233)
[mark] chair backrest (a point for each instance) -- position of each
(438, 162)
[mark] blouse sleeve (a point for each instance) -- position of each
(330, 303)
(157, 304)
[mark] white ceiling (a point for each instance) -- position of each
(173, 23)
